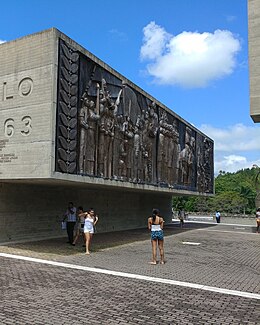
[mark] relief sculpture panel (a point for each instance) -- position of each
(168, 149)
(67, 110)
(106, 128)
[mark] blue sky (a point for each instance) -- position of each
(191, 55)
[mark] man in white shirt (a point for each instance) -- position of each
(70, 217)
(218, 216)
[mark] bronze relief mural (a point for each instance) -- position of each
(67, 120)
(106, 128)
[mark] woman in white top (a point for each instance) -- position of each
(90, 221)
(155, 224)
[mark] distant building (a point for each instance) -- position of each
(254, 57)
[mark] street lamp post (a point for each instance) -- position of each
(257, 186)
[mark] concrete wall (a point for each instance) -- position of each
(254, 57)
(35, 211)
(27, 77)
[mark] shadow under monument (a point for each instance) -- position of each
(57, 247)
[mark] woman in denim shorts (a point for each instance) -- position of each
(155, 224)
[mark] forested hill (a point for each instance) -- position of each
(234, 193)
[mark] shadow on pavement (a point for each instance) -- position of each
(59, 246)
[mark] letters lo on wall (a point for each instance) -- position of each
(107, 129)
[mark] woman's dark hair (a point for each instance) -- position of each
(155, 213)
(80, 208)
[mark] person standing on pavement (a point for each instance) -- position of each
(218, 216)
(80, 226)
(181, 215)
(71, 218)
(155, 225)
(91, 220)
(257, 220)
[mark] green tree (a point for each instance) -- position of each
(234, 193)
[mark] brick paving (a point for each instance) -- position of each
(33, 293)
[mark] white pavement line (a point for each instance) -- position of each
(136, 276)
(232, 232)
(214, 223)
(190, 243)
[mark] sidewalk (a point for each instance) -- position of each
(211, 276)
(58, 247)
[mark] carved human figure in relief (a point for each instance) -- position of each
(123, 162)
(149, 142)
(138, 166)
(173, 155)
(88, 118)
(186, 158)
(162, 148)
(200, 169)
(124, 151)
(128, 144)
(168, 150)
(118, 139)
(106, 132)
(207, 150)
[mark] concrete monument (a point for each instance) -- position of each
(74, 129)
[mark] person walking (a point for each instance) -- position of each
(218, 216)
(70, 217)
(181, 215)
(257, 220)
(80, 226)
(155, 225)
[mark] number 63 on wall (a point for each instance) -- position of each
(10, 128)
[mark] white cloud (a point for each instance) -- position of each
(236, 147)
(237, 137)
(233, 159)
(233, 163)
(1, 41)
(190, 59)
(155, 40)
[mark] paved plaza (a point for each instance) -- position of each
(211, 276)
